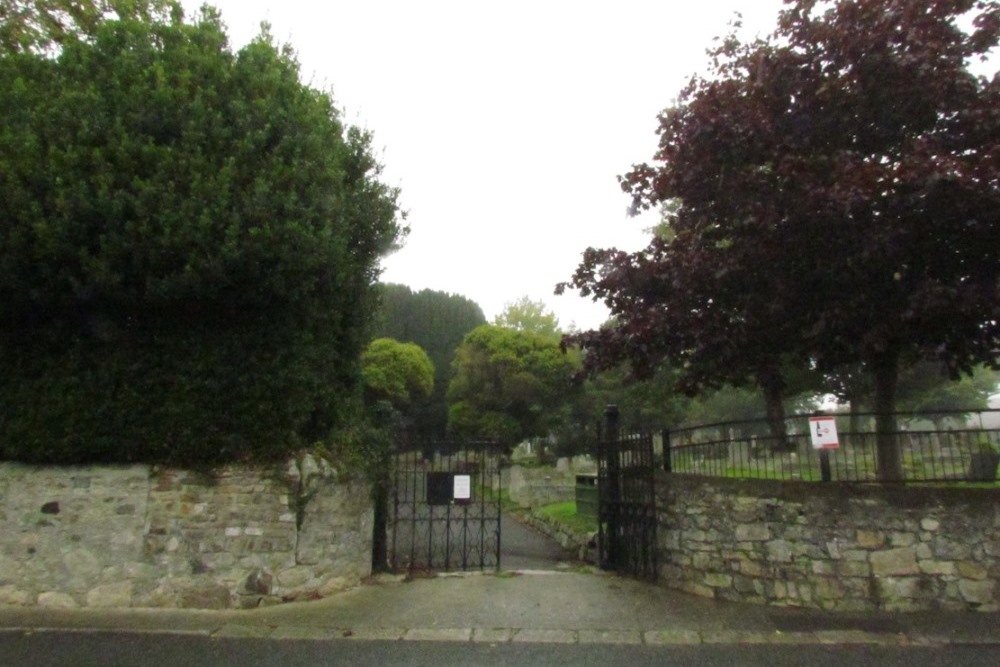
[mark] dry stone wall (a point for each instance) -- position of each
(141, 536)
(837, 547)
(536, 486)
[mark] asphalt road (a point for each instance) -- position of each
(116, 649)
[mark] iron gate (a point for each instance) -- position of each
(444, 508)
(626, 501)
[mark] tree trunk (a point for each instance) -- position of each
(888, 455)
(773, 385)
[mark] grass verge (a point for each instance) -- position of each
(565, 514)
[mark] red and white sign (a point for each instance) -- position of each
(823, 431)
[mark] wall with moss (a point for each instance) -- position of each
(830, 546)
(145, 536)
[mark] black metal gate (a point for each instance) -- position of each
(444, 508)
(626, 501)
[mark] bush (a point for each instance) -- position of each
(189, 240)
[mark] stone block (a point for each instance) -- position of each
(930, 525)
(751, 568)
(753, 532)
(822, 568)
(258, 582)
(971, 570)
(14, 597)
(978, 592)
(894, 562)
(294, 577)
(56, 600)
(334, 585)
(703, 560)
(82, 563)
(951, 549)
(870, 539)
(113, 595)
(207, 596)
(716, 580)
(697, 589)
(779, 551)
(853, 568)
(747, 585)
(828, 588)
(902, 539)
(937, 567)
(896, 589)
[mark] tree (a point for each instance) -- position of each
(189, 239)
(396, 372)
(531, 316)
(40, 26)
(395, 375)
(437, 322)
(644, 405)
(508, 385)
(927, 388)
(836, 203)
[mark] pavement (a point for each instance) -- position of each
(570, 605)
(539, 597)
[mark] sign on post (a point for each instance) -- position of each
(823, 431)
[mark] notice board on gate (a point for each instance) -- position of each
(445, 488)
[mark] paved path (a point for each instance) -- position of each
(570, 607)
(524, 548)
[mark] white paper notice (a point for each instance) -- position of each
(463, 487)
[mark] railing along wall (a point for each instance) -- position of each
(954, 446)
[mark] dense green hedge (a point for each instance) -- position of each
(189, 239)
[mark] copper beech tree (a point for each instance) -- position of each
(832, 195)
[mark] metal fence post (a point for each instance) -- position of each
(824, 465)
(668, 465)
(608, 491)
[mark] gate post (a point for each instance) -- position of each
(608, 491)
(382, 471)
(668, 465)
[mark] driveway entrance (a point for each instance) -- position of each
(444, 508)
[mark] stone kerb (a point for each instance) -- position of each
(136, 536)
(847, 548)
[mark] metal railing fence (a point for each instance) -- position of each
(954, 446)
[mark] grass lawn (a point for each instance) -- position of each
(565, 513)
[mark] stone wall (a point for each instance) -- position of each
(531, 486)
(582, 546)
(830, 546)
(141, 536)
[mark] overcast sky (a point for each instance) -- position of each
(504, 124)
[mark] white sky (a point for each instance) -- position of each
(505, 124)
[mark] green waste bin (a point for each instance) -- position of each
(586, 496)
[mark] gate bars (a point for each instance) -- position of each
(445, 508)
(627, 501)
